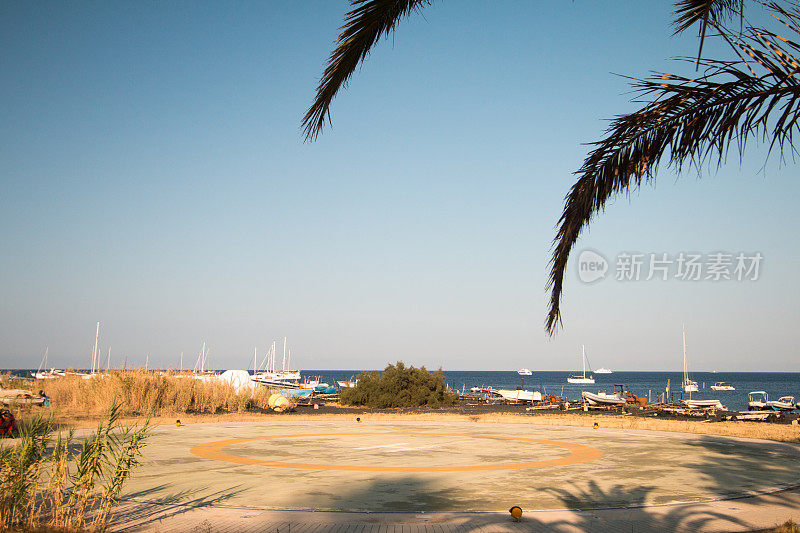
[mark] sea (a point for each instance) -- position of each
(651, 385)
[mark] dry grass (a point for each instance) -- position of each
(142, 393)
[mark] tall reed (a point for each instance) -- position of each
(138, 392)
(44, 485)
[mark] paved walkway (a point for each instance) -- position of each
(343, 476)
(744, 514)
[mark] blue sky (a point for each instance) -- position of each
(154, 178)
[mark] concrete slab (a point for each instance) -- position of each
(449, 467)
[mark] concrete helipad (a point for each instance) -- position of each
(417, 467)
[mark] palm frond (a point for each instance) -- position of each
(688, 122)
(363, 27)
(691, 12)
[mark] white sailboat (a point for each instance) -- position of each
(51, 373)
(524, 372)
(268, 375)
(582, 379)
(688, 384)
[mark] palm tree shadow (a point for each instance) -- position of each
(141, 507)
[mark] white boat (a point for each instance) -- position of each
(603, 371)
(703, 404)
(721, 385)
(524, 372)
(784, 403)
(688, 384)
(602, 398)
(46, 374)
(581, 379)
(519, 395)
(284, 378)
(757, 400)
(349, 384)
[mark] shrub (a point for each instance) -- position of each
(399, 386)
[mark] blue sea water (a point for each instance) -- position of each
(776, 384)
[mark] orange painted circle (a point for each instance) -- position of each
(578, 453)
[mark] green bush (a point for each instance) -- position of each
(399, 386)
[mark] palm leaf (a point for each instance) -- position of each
(688, 122)
(363, 27)
(691, 12)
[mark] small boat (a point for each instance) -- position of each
(757, 400)
(349, 384)
(602, 398)
(784, 403)
(524, 372)
(481, 389)
(519, 395)
(703, 404)
(603, 371)
(721, 385)
(581, 379)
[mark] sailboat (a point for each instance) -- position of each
(284, 377)
(51, 373)
(688, 384)
(581, 379)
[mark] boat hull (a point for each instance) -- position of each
(602, 399)
(519, 395)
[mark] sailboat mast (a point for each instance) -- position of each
(108, 361)
(255, 359)
(94, 349)
(685, 373)
(583, 358)
(283, 363)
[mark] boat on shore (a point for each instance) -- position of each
(602, 398)
(518, 395)
(581, 379)
(757, 400)
(703, 404)
(270, 376)
(348, 384)
(784, 403)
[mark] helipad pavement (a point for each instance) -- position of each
(418, 467)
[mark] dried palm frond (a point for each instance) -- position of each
(363, 27)
(688, 122)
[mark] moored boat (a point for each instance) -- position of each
(603, 371)
(688, 385)
(721, 385)
(581, 379)
(524, 372)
